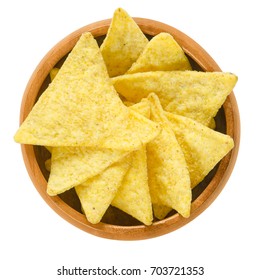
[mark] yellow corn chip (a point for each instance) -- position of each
(48, 164)
(128, 103)
(123, 44)
(212, 124)
(72, 166)
(203, 147)
(97, 193)
(168, 174)
(81, 107)
(161, 211)
(161, 53)
(133, 196)
(54, 71)
(197, 95)
(48, 148)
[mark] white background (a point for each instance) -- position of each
(225, 239)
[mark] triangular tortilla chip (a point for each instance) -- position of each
(212, 124)
(198, 95)
(161, 211)
(168, 174)
(161, 53)
(53, 73)
(71, 166)
(133, 196)
(203, 147)
(97, 193)
(81, 108)
(123, 44)
(47, 164)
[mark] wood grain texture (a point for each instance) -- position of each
(116, 224)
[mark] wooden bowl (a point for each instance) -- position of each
(116, 224)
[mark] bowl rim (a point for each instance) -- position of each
(167, 225)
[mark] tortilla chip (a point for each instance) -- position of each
(48, 164)
(197, 95)
(161, 211)
(123, 44)
(168, 173)
(128, 103)
(161, 53)
(97, 193)
(54, 71)
(81, 107)
(203, 147)
(72, 166)
(212, 124)
(48, 148)
(133, 196)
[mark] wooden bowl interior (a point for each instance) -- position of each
(115, 223)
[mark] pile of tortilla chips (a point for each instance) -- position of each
(129, 124)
